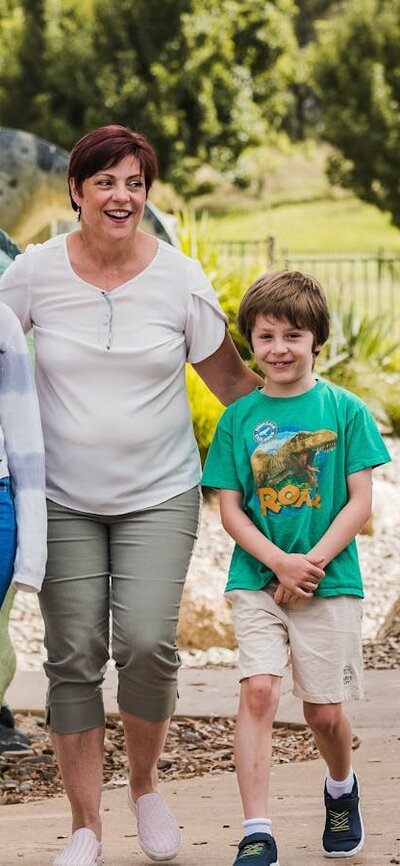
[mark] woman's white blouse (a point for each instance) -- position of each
(21, 452)
(110, 374)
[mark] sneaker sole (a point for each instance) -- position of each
(169, 855)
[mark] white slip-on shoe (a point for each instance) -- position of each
(158, 830)
(83, 849)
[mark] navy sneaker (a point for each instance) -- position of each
(343, 835)
(258, 849)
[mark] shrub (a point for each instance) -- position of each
(206, 410)
(392, 407)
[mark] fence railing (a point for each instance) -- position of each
(370, 282)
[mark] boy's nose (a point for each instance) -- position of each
(279, 347)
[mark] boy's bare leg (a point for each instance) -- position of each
(259, 698)
(333, 736)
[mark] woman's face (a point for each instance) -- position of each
(112, 200)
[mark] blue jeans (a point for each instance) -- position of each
(8, 536)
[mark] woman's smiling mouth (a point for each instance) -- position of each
(118, 214)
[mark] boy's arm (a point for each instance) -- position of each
(350, 519)
(297, 572)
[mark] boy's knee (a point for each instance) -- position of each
(323, 718)
(261, 693)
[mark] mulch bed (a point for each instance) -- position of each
(194, 747)
(383, 654)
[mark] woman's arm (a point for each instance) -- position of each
(295, 571)
(350, 519)
(226, 375)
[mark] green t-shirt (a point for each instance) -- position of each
(290, 457)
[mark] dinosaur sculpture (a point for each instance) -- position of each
(294, 457)
(8, 251)
(33, 171)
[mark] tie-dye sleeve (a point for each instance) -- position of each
(23, 451)
(15, 288)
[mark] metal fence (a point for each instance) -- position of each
(370, 282)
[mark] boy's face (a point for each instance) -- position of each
(285, 354)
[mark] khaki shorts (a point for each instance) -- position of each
(320, 636)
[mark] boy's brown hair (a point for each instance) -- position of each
(290, 295)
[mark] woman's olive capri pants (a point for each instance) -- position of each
(134, 566)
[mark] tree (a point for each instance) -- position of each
(209, 80)
(357, 78)
(302, 120)
(204, 79)
(21, 82)
(308, 13)
(45, 67)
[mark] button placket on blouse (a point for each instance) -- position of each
(106, 330)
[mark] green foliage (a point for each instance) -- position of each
(207, 81)
(392, 407)
(356, 66)
(206, 411)
(47, 69)
(360, 355)
(360, 338)
(229, 283)
(309, 12)
(326, 225)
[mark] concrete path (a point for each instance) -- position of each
(208, 808)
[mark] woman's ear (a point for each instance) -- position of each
(74, 192)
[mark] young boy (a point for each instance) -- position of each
(293, 463)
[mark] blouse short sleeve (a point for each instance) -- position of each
(205, 322)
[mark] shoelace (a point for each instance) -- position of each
(339, 821)
(253, 848)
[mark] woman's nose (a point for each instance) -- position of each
(121, 193)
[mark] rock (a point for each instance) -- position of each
(391, 624)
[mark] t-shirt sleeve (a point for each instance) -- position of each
(220, 467)
(364, 444)
(15, 290)
(205, 321)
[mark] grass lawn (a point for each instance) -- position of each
(331, 225)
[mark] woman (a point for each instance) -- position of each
(116, 314)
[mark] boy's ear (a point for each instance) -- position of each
(317, 349)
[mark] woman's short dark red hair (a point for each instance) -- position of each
(103, 148)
